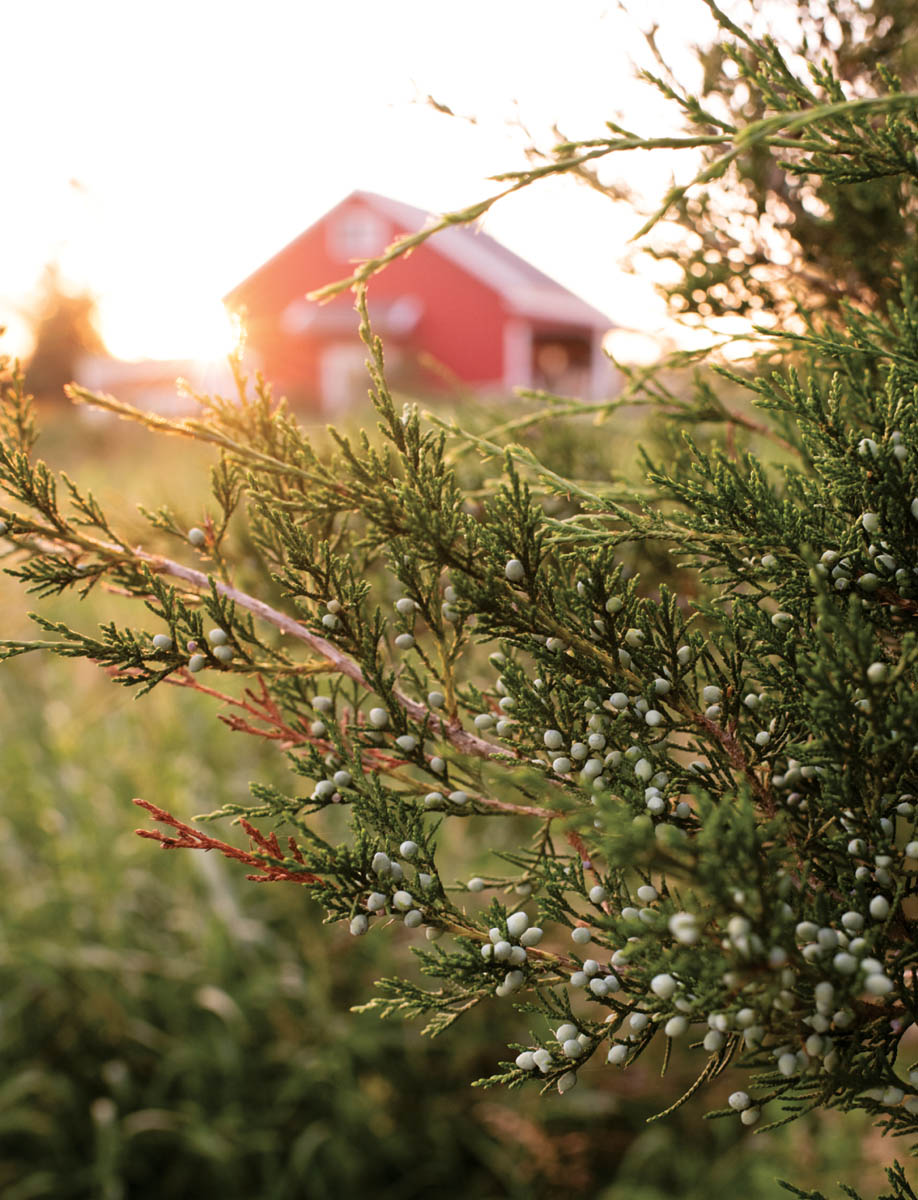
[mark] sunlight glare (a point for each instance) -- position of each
(192, 328)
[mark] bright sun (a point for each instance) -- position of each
(144, 327)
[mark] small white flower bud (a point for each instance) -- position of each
(542, 1060)
(684, 928)
(663, 985)
(823, 994)
(844, 963)
(787, 1064)
(517, 924)
(643, 769)
(878, 984)
(382, 864)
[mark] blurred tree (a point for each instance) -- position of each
(767, 239)
(64, 328)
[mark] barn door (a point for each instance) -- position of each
(343, 378)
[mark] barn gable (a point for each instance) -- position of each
(460, 307)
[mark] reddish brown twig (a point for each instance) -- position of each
(450, 731)
(519, 810)
(263, 708)
(576, 842)
(734, 751)
(190, 838)
(259, 707)
(467, 743)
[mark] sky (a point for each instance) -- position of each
(159, 154)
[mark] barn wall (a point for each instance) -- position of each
(461, 326)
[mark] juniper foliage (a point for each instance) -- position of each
(715, 792)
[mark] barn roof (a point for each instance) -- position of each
(527, 291)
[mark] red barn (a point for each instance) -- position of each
(460, 312)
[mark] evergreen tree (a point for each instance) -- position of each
(836, 241)
(715, 794)
(64, 327)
